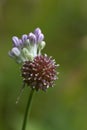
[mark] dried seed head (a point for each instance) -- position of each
(39, 73)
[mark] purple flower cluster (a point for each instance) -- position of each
(33, 38)
(28, 46)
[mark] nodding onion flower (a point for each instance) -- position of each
(38, 71)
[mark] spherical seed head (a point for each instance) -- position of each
(40, 73)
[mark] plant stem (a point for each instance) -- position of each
(27, 109)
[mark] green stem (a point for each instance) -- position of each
(27, 109)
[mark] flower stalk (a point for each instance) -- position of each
(28, 107)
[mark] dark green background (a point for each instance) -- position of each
(64, 24)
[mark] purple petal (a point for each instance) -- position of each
(20, 43)
(15, 41)
(37, 32)
(40, 38)
(32, 38)
(24, 37)
(14, 52)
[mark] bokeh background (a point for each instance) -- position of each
(64, 24)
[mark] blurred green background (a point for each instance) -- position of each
(64, 24)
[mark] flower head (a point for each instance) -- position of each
(38, 71)
(29, 46)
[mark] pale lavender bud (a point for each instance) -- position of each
(20, 43)
(37, 32)
(15, 51)
(24, 37)
(39, 35)
(15, 41)
(32, 38)
(40, 38)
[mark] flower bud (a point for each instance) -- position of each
(20, 43)
(24, 37)
(41, 46)
(32, 38)
(15, 51)
(15, 41)
(37, 31)
(40, 38)
(26, 54)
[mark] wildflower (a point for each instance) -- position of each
(38, 71)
